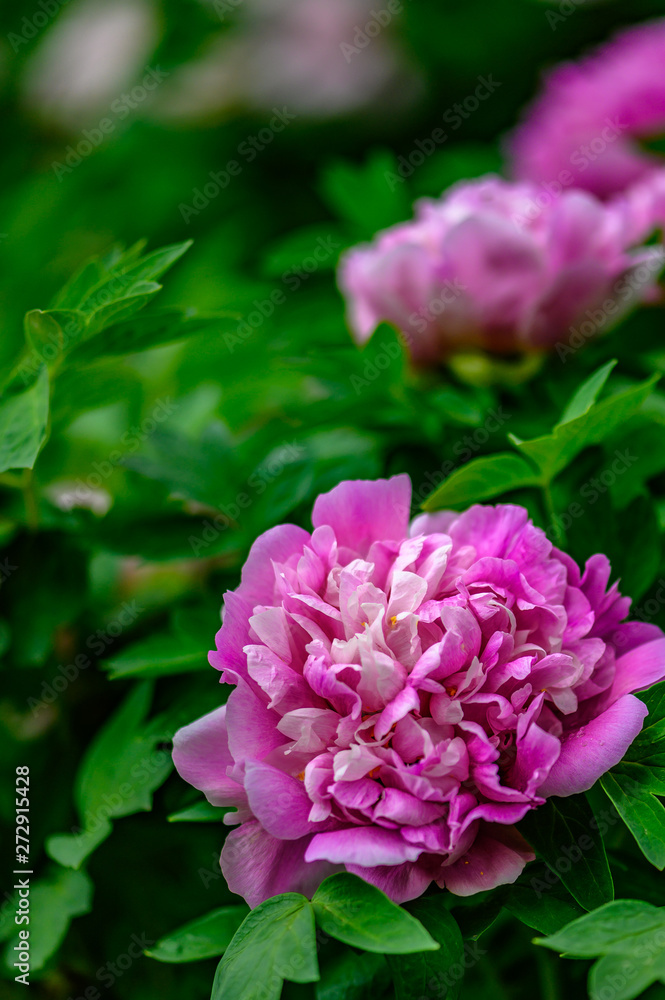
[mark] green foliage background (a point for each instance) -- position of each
(195, 436)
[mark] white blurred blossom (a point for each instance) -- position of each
(319, 57)
(85, 59)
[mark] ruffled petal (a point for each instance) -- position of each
(367, 846)
(201, 756)
(639, 669)
(256, 739)
(399, 882)
(587, 753)
(279, 802)
(257, 866)
(364, 511)
(497, 857)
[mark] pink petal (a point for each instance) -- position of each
(362, 511)
(495, 858)
(257, 866)
(361, 845)
(588, 752)
(406, 701)
(279, 802)
(231, 638)
(399, 882)
(536, 754)
(276, 545)
(639, 669)
(406, 810)
(201, 756)
(255, 741)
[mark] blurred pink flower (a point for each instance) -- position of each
(585, 129)
(404, 694)
(495, 265)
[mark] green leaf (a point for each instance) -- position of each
(641, 811)
(201, 469)
(71, 849)
(587, 394)
(321, 243)
(612, 928)
(152, 329)
(276, 941)
(565, 834)
(54, 902)
(23, 423)
(625, 978)
(647, 457)
(119, 773)
(122, 281)
(553, 452)
(53, 333)
(540, 901)
(474, 914)
(414, 975)
(105, 293)
(634, 785)
(362, 195)
(158, 262)
(93, 272)
(640, 547)
(480, 479)
(206, 937)
(353, 976)
(42, 330)
(200, 812)
(359, 914)
(648, 747)
(122, 308)
(157, 656)
(629, 938)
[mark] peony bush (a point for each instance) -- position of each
(428, 746)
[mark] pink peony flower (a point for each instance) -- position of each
(405, 694)
(585, 128)
(493, 265)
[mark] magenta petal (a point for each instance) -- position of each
(201, 756)
(257, 587)
(232, 637)
(588, 752)
(403, 809)
(362, 511)
(406, 701)
(537, 753)
(256, 740)
(495, 858)
(279, 802)
(257, 866)
(399, 882)
(629, 635)
(639, 669)
(367, 846)
(276, 545)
